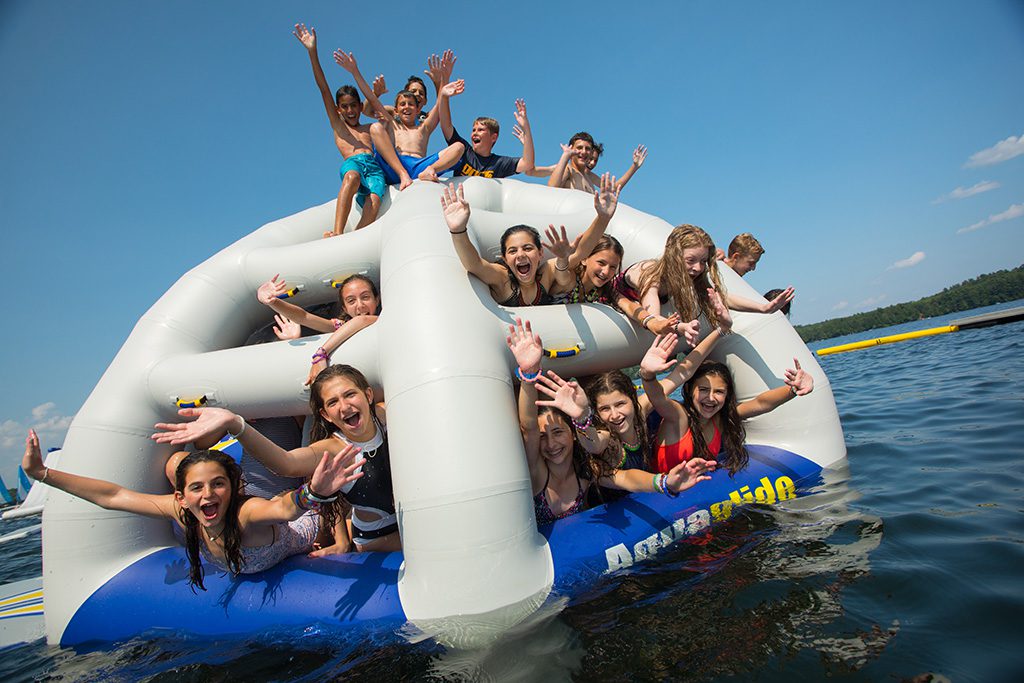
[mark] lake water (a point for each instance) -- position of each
(908, 561)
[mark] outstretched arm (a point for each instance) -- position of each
(106, 494)
(526, 348)
(558, 174)
(339, 337)
(798, 383)
(700, 352)
(347, 61)
(681, 477)
(456, 214)
(331, 473)
(308, 40)
(658, 359)
(639, 156)
(605, 202)
(525, 164)
(299, 462)
(739, 303)
(267, 295)
(444, 111)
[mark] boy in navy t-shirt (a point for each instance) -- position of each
(477, 159)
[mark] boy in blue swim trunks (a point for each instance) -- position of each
(361, 176)
(399, 139)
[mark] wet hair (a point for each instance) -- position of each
(669, 272)
(356, 277)
(772, 293)
(607, 383)
(232, 533)
(745, 244)
(735, 456)
(582, 463)
(534, 235)
(406, 93)
(489, 123)
(346, 90)
(582, 135)
(321, 427)
(331, 513)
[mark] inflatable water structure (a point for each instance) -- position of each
(474, 562)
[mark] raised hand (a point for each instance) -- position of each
(314, 370)
(435, 72)
(525, 346)
(520, 114)
(689, 473)
(784, 297)
(286, 328)
(558, 244)
(306, 37)
(447, 65)
(518, 132)
(690, 332)
(455, 208)
(639, 155)
(208, 422)
(721, 312)
(799, 381)
(659, 356)
(334, 471)
(454, 88)
(270, 290)
(32, 461)
(607, 197)
(566, 396)
(346, 60)
(379, 86)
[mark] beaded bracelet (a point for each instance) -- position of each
(585, 424)
(303, 500)
(525, 376)
(320, 355)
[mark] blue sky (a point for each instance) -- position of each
(875, 148)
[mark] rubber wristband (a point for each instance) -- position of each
(654, 483)
(561, 270)
(458, 232)
(240, 431)
(46, 473)
(649, 318)
(526, 377)
(316, 498)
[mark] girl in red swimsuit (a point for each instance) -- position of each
(561, 472)
(709, 420)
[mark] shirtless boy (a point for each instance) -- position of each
(399, 139)
(573, 169)
(477, 158)
(361, 175)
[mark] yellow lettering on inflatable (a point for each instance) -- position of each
(765, 493)
(785, 487)
(722, 511)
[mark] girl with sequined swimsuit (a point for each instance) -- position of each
(561, 472)
(520, 277)
(239, 533)
(346, 415)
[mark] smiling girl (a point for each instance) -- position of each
(521, 277)
(239, 533)
(345, 416)
(561, 471)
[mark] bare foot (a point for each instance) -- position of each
(429, 175)
(330, 233)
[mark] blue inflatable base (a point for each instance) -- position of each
(360, 590)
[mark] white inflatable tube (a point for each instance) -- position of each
(472, 553)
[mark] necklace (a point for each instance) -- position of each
(213, 537)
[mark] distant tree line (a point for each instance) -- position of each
(984, 290)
